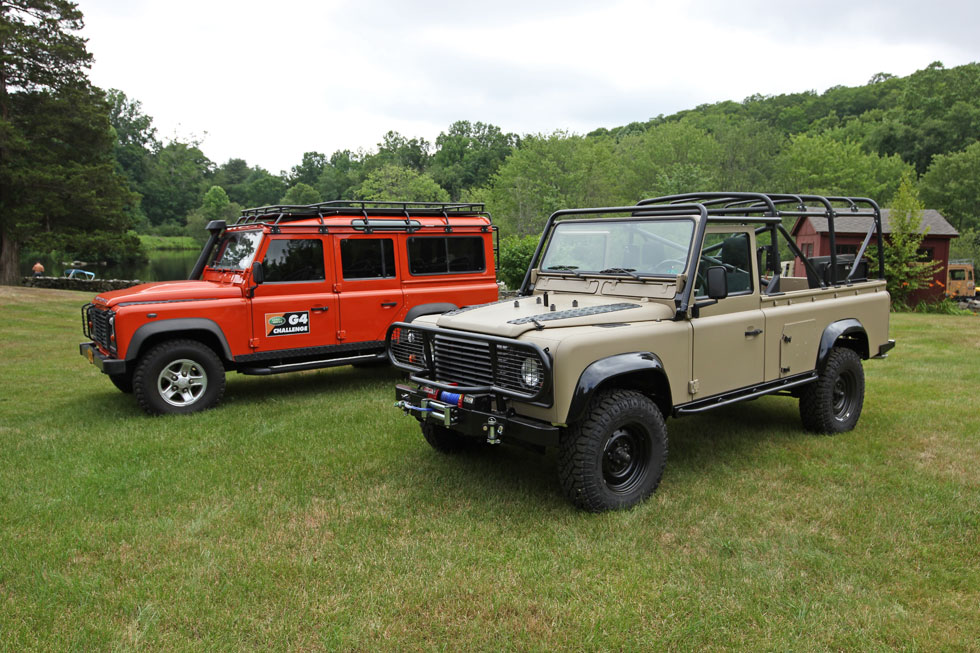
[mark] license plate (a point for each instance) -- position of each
(90, 353)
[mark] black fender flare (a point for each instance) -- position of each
(643, 363)
(175, 326)
(849, 328)
(428, 309)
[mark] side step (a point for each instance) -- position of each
(743, 394)
(309, 365)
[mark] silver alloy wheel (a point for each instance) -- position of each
(182, 382)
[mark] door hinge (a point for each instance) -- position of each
(692, 387)
(336, 287)
(253, 342)
(341, 334)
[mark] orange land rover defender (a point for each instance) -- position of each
(289, 288)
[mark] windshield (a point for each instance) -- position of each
(235, 250)
(635, 248)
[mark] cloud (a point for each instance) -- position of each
(267, 82)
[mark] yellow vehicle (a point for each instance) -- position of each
(960, 280)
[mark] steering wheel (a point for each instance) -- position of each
(669, 266)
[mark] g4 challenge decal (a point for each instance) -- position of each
(287, 324)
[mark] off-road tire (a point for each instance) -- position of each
(123, 382)
(195, 359)
(444, 440)
(832, 403)
(614, 457)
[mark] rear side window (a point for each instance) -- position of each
(367, 258)
(444, 255)
(294, 260)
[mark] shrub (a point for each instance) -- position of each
(515, 256)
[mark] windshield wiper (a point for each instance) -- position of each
(629, 271)
(564, 268)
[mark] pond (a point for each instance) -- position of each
(164, 265)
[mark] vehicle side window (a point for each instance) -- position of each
(957, 275)
(443, 255)
(731, 251)
(294, 260)
(367, 258)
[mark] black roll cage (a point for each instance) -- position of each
(742, 207)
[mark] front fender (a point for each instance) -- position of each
(176, 325)
(642, 370)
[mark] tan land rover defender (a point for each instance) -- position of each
(628, 315)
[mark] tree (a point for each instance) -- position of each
(214, 206)
(56, 165)
(397, 183)
(951, 185)
(176, 181)
(821, 165)
(263, 188)
(515, 256)
(231, 176)
(468, 154)
(904, 269)
(300, 194)
(309, 170)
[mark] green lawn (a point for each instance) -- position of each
(168, 242)
(306, 513)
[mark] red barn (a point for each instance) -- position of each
(813, 238)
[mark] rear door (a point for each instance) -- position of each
(295, 307)
(368, 287)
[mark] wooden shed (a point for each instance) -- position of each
(813, 238)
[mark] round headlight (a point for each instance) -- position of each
(412, 336)
(531, 372)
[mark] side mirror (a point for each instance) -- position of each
(258, 273)
(717, 282)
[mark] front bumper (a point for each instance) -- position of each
(485, 424)
(106, 364)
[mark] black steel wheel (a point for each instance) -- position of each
(833, 403)
(179, 377)
(615, 457)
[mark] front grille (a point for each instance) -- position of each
(453, 358)
(407, 347)
(462, 361)
(99, 330)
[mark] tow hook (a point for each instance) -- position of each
(493, 430)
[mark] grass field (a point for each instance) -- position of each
(168, 242)
(306, 513)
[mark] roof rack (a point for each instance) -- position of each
(279, 213)
(721, 205)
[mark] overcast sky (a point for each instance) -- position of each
(269, 80)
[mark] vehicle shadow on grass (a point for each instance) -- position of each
(321, 382)
(495, 476)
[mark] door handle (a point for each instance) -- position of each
(320, 309)
(389, 304)
(753, 332)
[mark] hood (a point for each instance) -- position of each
(512, 317)
(168, 291)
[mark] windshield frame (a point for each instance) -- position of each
(638, 275)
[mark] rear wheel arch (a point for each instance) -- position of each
(849, 333)
(640, 371)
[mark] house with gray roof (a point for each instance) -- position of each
(813, 238)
